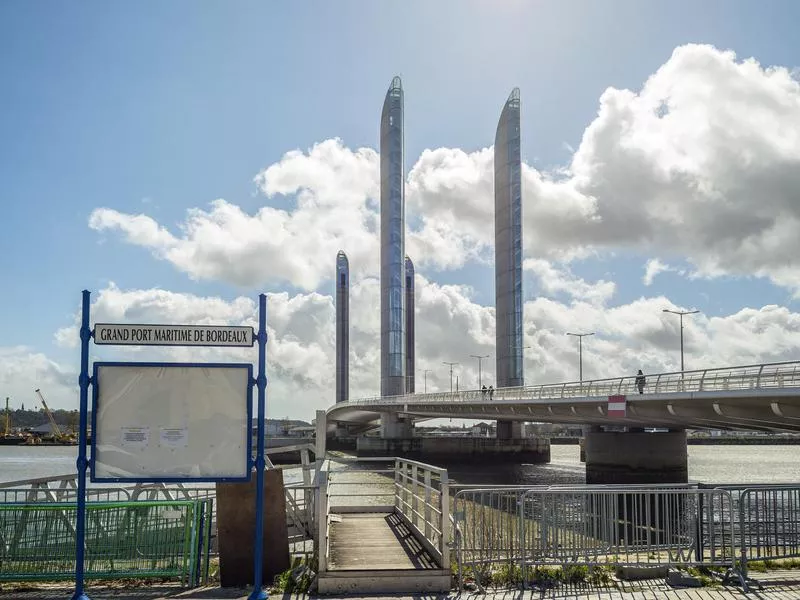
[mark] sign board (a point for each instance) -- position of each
(172, 335)
(171, 422)
(616, 406)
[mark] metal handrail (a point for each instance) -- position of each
(777, 375)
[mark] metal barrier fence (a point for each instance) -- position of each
(300, 518)
(422, 497)
(516, 529)
(123, 539)
(769, 522)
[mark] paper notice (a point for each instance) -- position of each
(174, 437)
(135, 437)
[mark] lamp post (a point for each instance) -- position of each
(580, 337)
(680, 313)
(479, 357)
(425, 378)
(451, 364)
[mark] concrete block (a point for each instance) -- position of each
(678, 579)
(636, 573)
(236, 504)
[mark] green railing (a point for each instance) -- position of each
(123, 539)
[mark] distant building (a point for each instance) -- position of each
(483, 430)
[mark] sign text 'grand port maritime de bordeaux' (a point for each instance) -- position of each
(172, 335)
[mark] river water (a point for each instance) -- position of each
(707, 464)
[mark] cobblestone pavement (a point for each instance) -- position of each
(776, 585)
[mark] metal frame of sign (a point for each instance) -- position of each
(258, 462)
(250, 383)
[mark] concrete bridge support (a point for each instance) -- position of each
(396, 427)
(509, 430)
(636, 457)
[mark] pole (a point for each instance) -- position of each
(680, 313)
(261, 382)
(451, 373)
(681, 344)
(425, 374)
(480, 358)
(580, 337)
(82, 463)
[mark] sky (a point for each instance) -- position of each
(177, 159)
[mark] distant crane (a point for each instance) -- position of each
(56, 429)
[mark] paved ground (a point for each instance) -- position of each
(776, 585)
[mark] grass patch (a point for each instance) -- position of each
(296, 579)
(762, 566)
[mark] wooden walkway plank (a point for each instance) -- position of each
(375, 541)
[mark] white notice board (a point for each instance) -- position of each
(171, 422)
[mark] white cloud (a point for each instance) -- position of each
(332, 185)
(554, 280)
(22, 370)
(450, 326)
(701, 163)
(653, 267)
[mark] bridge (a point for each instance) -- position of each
(616, 415)
(764, 397)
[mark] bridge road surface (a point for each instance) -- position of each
(775, 585)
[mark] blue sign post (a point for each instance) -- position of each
(179, 335)
(83, 382)
(260, 463)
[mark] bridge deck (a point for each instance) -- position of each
(375, 541)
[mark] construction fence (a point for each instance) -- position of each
(123, 540)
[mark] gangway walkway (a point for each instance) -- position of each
(375, 541)
(383, 526)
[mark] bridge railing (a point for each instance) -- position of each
(422, 498)
(747, 377)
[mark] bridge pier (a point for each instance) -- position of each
(509, 430)
(636, 457)
(395, 427)
(341, 438)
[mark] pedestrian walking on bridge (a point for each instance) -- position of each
(640, 381)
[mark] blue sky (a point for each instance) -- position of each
(158, 108)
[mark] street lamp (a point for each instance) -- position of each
(451, 373)
(425, 377)
(479, 357)
(681, 313)
(580, 337)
